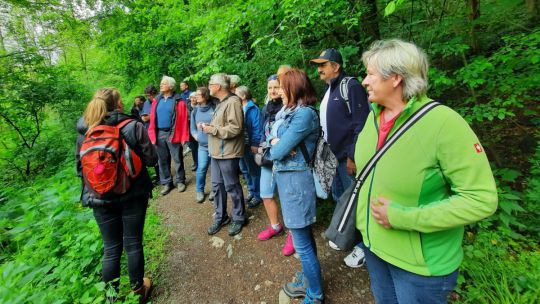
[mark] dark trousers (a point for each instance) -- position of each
(167, 151)
(121, 226)
(225, 179)
(194, 146)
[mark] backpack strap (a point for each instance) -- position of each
(344, 91)
(359, 180)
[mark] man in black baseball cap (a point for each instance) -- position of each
(343, 112)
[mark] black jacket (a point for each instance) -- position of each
(342, 127)
(136, 137)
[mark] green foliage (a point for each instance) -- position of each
(509, 276)
(51, 247)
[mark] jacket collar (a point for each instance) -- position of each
(335, 82)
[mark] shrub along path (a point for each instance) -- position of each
(199, 268)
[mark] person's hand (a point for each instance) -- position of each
(206, 128)
(379, 210)
(274, 141)
(254, 149)
(200, 125)
(351, 167)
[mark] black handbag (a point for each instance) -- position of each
(261, 156)
(342, 230)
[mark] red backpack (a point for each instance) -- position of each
(108, 163)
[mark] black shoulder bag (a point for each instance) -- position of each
(342, 230)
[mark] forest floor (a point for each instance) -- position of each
(199, 268)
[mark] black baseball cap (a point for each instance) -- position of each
(329, 55)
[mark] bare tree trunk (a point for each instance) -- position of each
(473, 16)
(2, 47)
(532, 7)
(370, 20)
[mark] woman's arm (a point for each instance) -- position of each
(300, 126)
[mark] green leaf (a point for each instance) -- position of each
(390, 8)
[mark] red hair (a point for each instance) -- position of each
(297, 88)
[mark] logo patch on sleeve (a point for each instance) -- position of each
(478, 148)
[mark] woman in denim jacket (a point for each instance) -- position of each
(297, 122)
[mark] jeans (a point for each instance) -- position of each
(167, 151)
(203, 159)
(225, 180)
(267, 183)
(391, 284)
(252, 173)
(305, 246)
(342, 180)
(121, 226)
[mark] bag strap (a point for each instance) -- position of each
(303, 149)
(344, 91)
(359, 180)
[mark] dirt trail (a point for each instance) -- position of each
(199, 268)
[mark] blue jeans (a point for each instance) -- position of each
(391, 284)
(203, 161)
(305, 246)
(342, 180)
(252, 173)
(121, 226)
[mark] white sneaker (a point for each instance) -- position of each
(333, 245)
(356, 258)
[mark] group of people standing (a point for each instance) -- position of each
(411, 209)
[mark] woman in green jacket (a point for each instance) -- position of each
(433, 181)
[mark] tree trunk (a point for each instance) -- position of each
(370, 20)
(473, 16)
(532, 7)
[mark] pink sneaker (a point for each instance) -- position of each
(288, 248)
(269, 232)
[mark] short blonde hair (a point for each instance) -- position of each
(395, 56)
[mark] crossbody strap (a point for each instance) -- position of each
(359, 180)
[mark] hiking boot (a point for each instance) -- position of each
(288, 248)
(165, 189)
(248, 199)
(254, 202)
(211, 196)
(235, 227)
(181, 187)
(297, 288)
(216, 226)
(144, 291)
(356, 258)
(199, 197)
(269, 232)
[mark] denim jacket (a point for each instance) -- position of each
(299, 124)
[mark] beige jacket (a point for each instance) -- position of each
(226, 137)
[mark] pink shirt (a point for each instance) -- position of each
(384, 128)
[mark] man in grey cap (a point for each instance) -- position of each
(344, 109)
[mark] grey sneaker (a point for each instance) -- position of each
(211, 196)
(296, 289)
(181, 187)
(235, 227)
(199, 197)
(216, 226)
(165, 189)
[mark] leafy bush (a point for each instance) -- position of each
(51, 247)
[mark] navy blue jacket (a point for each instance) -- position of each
(342, 127)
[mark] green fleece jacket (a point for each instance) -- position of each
(437, 178)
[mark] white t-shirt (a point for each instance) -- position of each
(324, 107)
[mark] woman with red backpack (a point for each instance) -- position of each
(112, 153)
